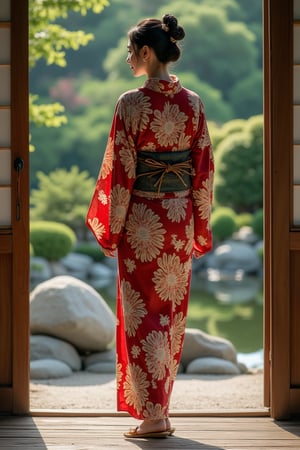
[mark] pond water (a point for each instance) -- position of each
(229, 307)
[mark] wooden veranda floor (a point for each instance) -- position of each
(101, 433)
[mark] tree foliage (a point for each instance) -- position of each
(250, 89)
(49, 40)
(239, 168)
(220, 51)
(63, 196)
(221, 60)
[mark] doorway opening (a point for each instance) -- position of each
(222, 304)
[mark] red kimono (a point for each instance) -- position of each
(155, 233)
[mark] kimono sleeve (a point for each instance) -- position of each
(109, 204)
(202, 184)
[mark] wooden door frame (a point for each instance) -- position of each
(20, 234)
(267, 221)
(278, 88)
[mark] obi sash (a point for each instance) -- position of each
(163, 171)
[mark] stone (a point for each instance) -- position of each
(198, 344)
(101, 362)
(243, 368)
(99, 270)
(57, 269)
(100, 275)
(40, 269)
(77, 264)
(43, 369)
(246, 234)
(69, 309)
(45, 347)
(232, 256)
(102, 367)
(212, 366)
(108, 356)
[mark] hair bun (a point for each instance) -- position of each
(174, 30)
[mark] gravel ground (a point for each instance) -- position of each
(88, 391)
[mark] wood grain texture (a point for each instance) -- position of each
(83, 433)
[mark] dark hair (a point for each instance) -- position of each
(161, 35)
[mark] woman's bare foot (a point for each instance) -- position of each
(150, 426)
(169, 426)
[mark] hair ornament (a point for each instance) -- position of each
(173, 40)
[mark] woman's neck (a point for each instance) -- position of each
(159, 71)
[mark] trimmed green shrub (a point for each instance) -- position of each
(91, 250)
(258, 223)
(244, 220)
(223, 221)
(51, 240)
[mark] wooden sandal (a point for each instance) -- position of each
(133, 434)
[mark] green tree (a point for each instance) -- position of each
(63, 197)
(48, 40)
(83, 141)
(239, 168)
(220, 51)
(251, 11)
(250, 89)
(218, 134)
(216, 108)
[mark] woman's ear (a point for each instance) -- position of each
(145, 52)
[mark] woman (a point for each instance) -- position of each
(152, 204)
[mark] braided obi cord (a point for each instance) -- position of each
(163, 171)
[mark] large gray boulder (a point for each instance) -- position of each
(198, 344)
(69, 309)
(45, 347)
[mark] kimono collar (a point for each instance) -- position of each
(165, 87)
